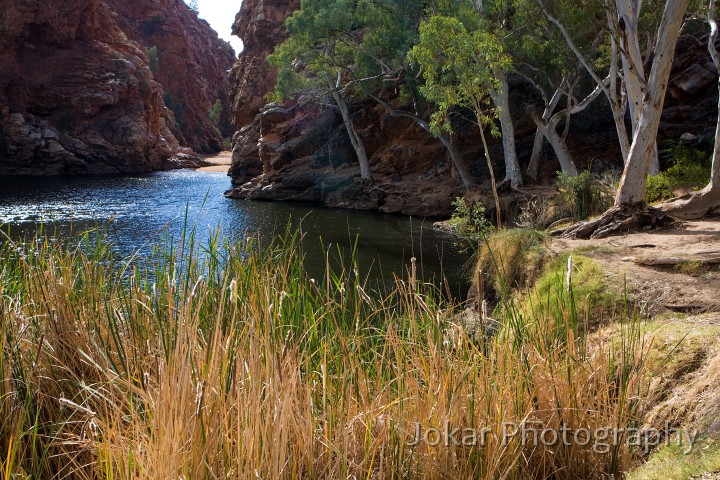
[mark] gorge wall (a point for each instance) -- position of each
(78, 95)
(191, 63)
(301, 152)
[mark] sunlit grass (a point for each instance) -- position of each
(228, 361)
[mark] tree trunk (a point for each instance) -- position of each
(456, 156)
(534, 166)
(632, 183)
(633, 71)
(493, 183)
(501, 98)
(458, 161)
(355, 139)
(560, 148)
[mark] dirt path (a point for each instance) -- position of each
(220, 163)
(687, 288)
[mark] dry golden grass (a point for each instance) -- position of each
(236, 365)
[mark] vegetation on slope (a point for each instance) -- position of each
(228, 361)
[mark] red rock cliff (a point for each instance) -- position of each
(75, 95)
(192, 65)
(260, 25)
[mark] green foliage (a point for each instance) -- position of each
(590, 298)
(215, 114)
(320, 46)
(468, 220)
(690, 169)
(584, 194)
(153, 59)
(458, 66)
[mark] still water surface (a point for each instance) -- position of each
(137, 211)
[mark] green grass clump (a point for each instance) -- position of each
(508, 260)
(229, 361)
(589, 301)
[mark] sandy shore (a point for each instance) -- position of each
(220, 163)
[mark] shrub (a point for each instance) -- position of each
(583, 195)
(509, 260)
(153, 57)
(468, 220)
(690, 169)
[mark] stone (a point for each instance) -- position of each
(694, 79)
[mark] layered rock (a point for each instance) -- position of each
(189, 60)
(75, 95)
(260, 25)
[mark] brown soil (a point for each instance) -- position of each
(219, 163)
(690, 287)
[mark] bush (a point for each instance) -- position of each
(690, 169)
(468, 220)
(153, 57)
(509, 260)
(583, 195)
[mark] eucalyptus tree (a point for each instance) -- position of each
(542, 57)
(390, 29)
(631, 191)
(629, 24)
(319, 57)
(496, 18)
(459, 66)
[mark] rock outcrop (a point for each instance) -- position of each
(189, 60)
(78, 93)
(75, 96)
(260, 24)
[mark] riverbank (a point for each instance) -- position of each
(217, 163)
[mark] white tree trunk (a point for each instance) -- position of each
(535, 157)
(632, 183)
(539, 143)
(355, 138)
(633, 70)
(549, 130)
(715, 172)
(501, 98)
(458, 161)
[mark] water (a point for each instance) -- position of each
(137, 211)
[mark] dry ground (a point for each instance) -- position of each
(690, 287)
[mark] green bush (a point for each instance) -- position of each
(468, 220)
(153, 56)
(690, 169)
(583, 195)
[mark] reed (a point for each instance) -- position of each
(227, 360)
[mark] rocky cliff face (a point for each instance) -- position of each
(302, 152)
(260, 25)
(75, 96)
(190, 62)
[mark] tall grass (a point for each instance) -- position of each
(228, 361)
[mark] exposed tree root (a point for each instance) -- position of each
(694, 206)
(619, 221)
